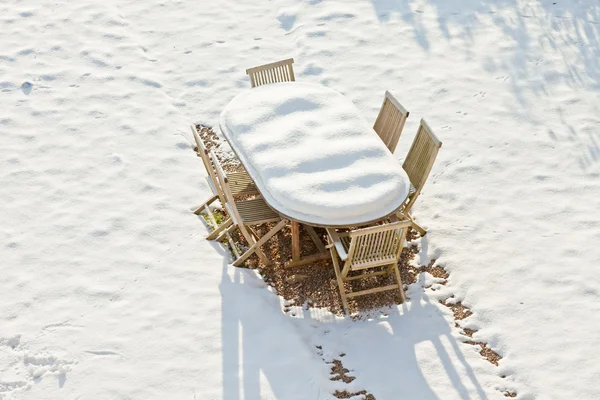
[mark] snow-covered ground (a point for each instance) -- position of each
(108, 290)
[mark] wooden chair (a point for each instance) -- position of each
(245, 214)
(390, 121)
(418, 164)
(375, 247)
(280, 71)
(241, 185)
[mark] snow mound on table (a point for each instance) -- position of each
(314, 154)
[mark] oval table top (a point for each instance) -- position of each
(312, 155)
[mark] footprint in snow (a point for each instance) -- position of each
(286, 20)
(26, 87)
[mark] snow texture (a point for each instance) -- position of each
(312, 155)
(109, 290)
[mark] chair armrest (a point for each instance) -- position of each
(337, 242)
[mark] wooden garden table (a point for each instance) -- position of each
(314, 159)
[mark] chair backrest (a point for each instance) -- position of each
(390, 121)
(420, 159)
(280, 71)
(208, 165)
(229, 202)
(376, 245)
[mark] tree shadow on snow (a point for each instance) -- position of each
(259, 347)
(534, 35)
(399, 346)
(264, 346)
(567, 23)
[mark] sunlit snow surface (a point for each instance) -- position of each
(108, 289)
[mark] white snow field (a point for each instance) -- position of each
(109, 291)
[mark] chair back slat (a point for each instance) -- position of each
(281, 75)
(390, 244)
(375, 246)
(280, 71)
(390, 121)
(362, 247)
(372, 249)
(208, 164)
(420, 159)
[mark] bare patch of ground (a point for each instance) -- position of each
(340, 373)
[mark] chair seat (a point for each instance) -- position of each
(256, 211)
(241, 183)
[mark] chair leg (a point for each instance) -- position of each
(250, 239)
(253, 233)
(208, 202)
(340, 282)
(419, 229)
(399, 281)
(315, 238)
(413, 224)
(416, 226)
(234, 249)
(259, 243)
(225, 232)
(389, 270)
(219, 229)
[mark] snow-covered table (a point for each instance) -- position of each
(313, 157)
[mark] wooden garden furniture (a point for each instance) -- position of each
(245, 214)
(390, 121)
(418, 164)
(240, 184)
(280, 71)
(314, 159)
(368, 252)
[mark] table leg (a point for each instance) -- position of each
(313, 235)
(309, 259)
(297, 259)
(295, 241)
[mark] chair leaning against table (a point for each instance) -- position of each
(418, 164)
(242, 185)
(245, 214)
(390, 121)
(280, 71)
(368, 248)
